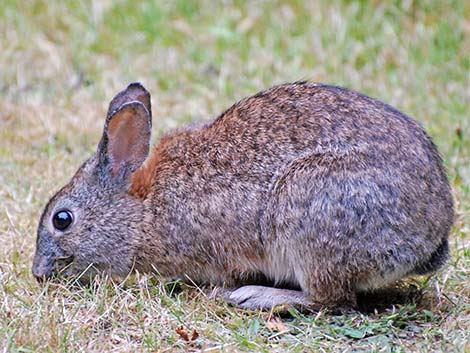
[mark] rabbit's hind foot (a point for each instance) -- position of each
(253, 297)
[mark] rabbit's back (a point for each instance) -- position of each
(263, 133)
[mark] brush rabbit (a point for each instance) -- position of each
(318, 190)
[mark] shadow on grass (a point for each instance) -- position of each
(385, 298)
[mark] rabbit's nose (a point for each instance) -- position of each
(43, 267)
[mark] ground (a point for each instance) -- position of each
(62, 61)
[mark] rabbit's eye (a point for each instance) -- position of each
(62, 220)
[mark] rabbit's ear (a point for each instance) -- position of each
(125, 142)
(134, 92)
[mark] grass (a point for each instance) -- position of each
(61, 62)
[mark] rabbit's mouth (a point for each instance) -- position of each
(63, 263)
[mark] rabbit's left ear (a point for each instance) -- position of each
(134, 92)
(126, 137)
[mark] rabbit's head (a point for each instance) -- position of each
(92, 223)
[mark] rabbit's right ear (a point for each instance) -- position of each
(126, 137)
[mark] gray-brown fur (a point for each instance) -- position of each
(305, 185)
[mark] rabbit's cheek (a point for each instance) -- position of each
(66, 247)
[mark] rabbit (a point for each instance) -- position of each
(304, 194)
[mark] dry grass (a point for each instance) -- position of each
(60, 62)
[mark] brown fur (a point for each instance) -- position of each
(142, 179)
(306, 186)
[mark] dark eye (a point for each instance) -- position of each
(62, 220)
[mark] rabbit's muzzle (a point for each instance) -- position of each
(46, 267)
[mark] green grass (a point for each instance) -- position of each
(61, 62)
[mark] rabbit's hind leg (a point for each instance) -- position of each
(315, 227)
(253, 297)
